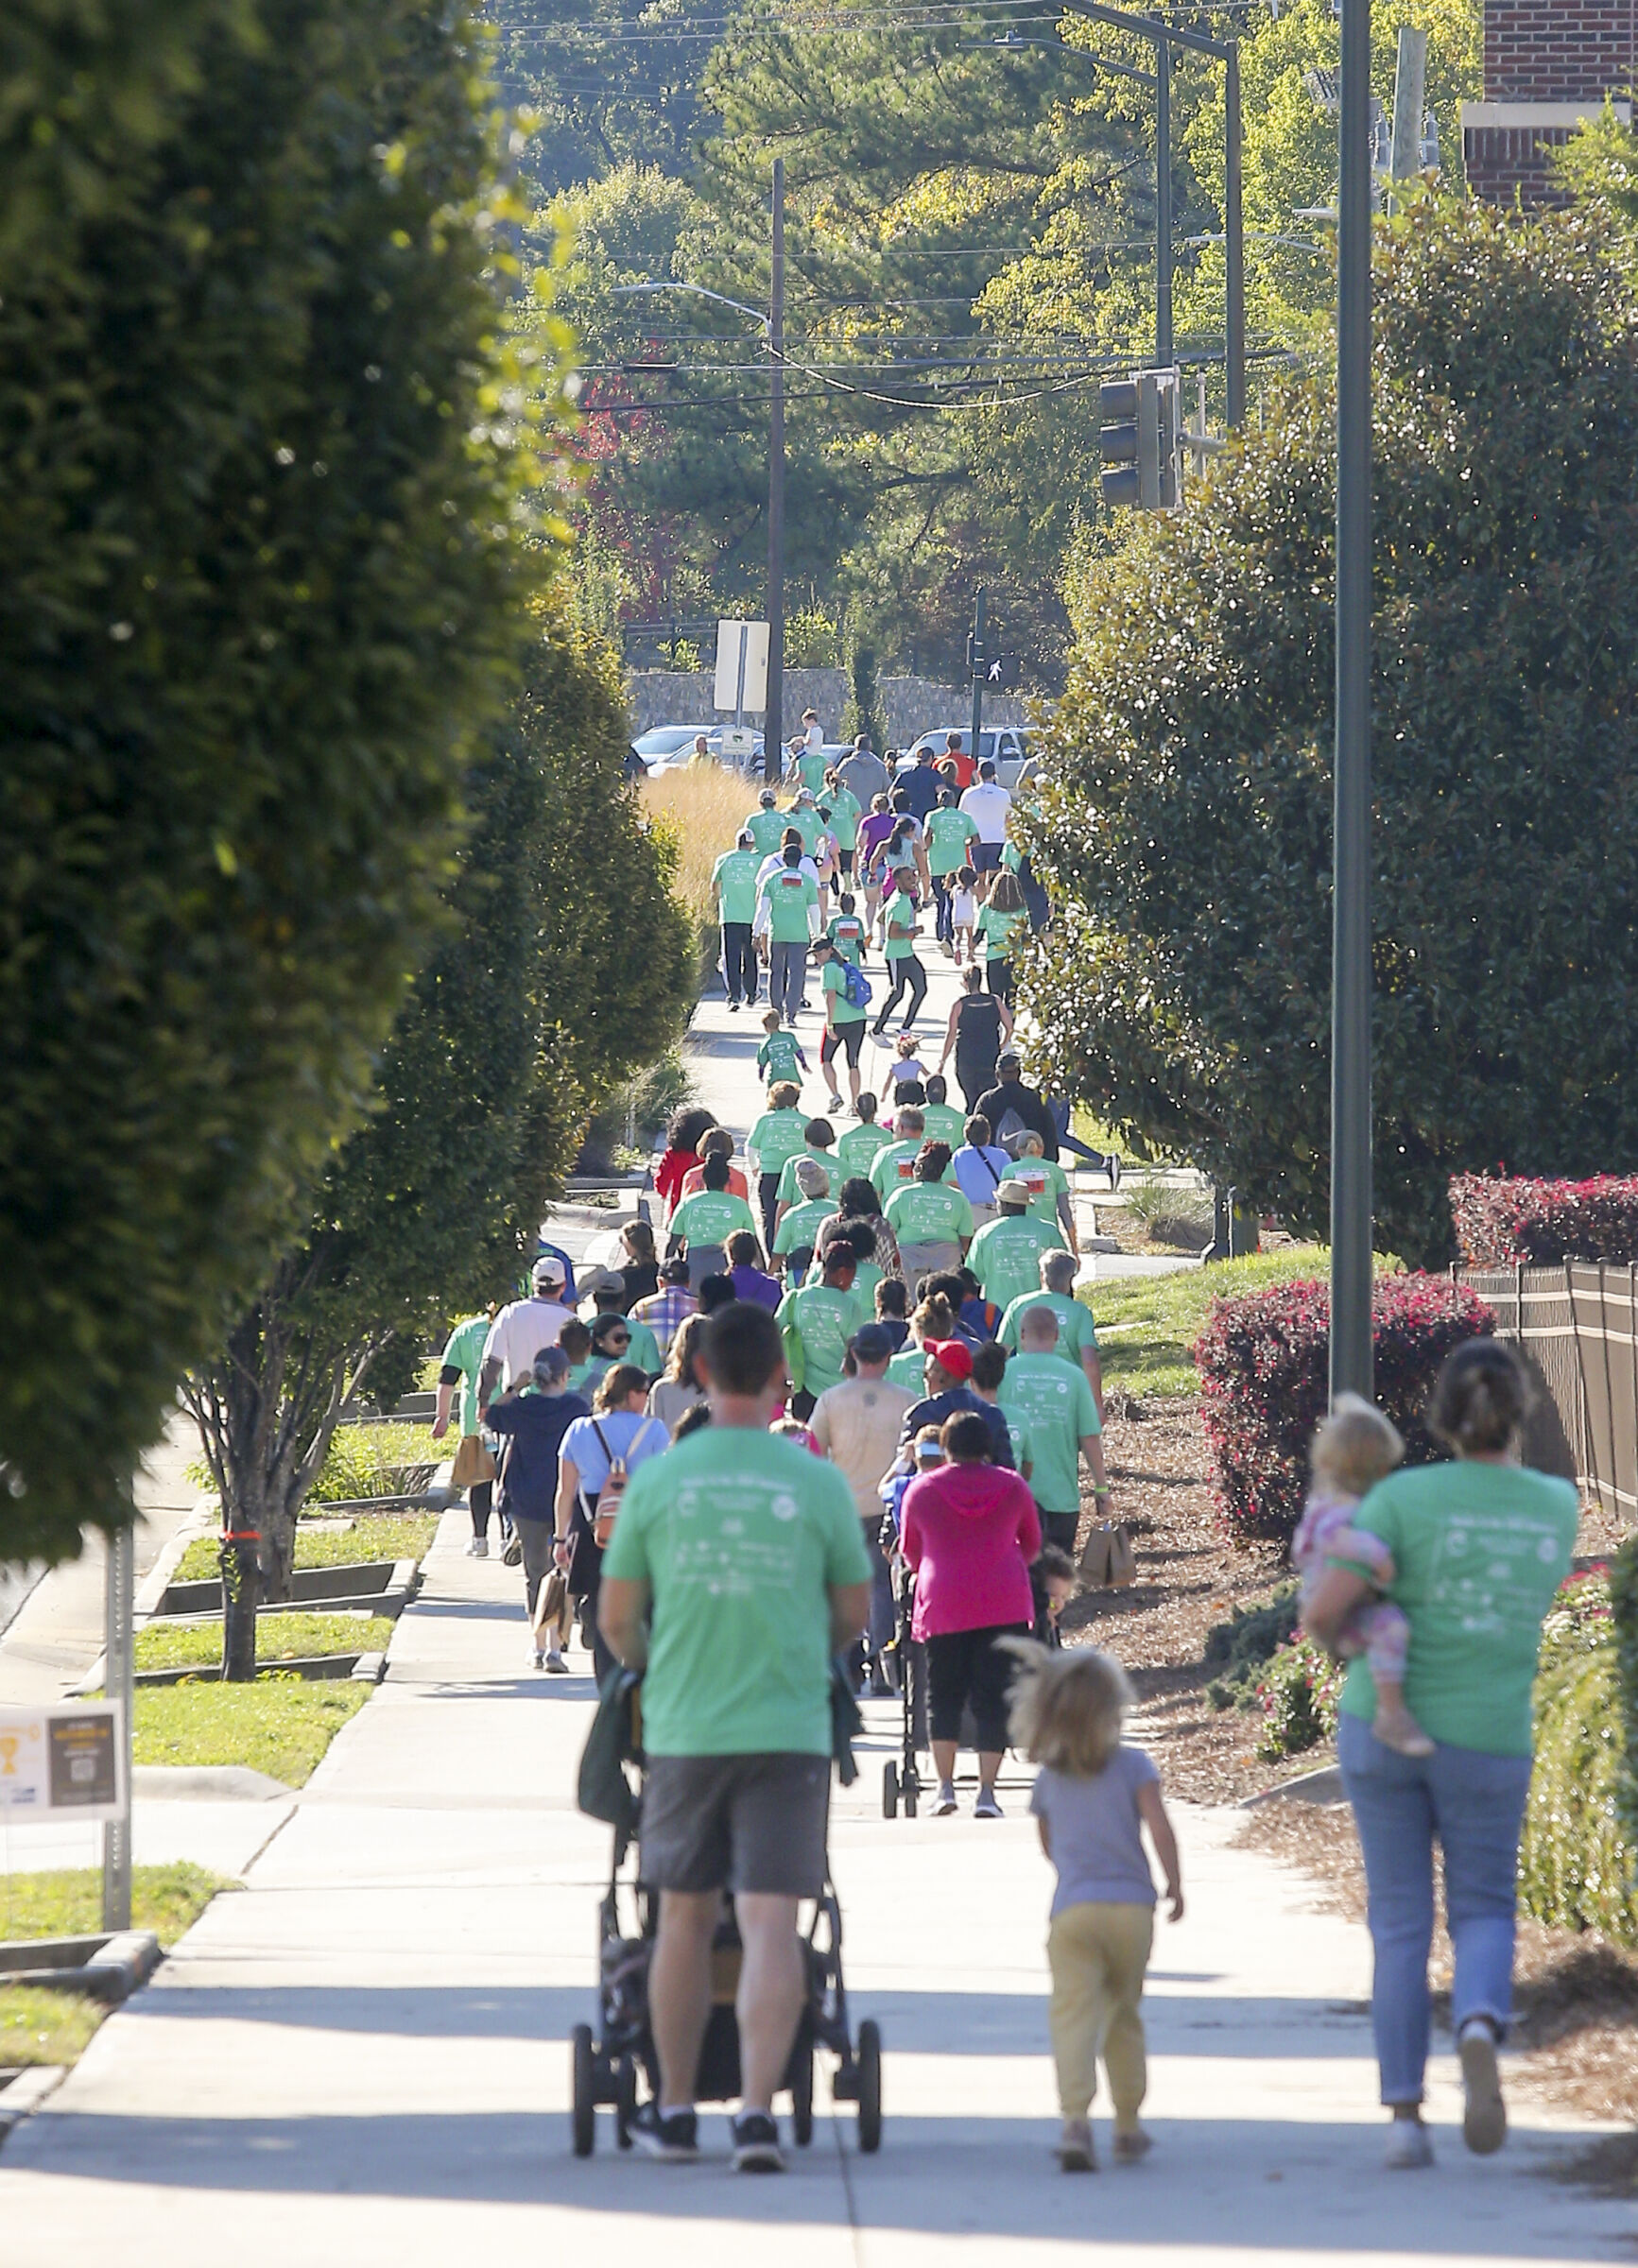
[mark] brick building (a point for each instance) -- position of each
(1548, 66)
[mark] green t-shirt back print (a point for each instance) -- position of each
(739, 1536)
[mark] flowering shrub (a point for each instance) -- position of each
(1299, 1694)
(1262, 1363)
(1501, 1222)
(1579, 1855)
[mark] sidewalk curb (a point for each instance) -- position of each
(107, 1969)
(32, 2086)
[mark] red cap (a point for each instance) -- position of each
(953, 1356)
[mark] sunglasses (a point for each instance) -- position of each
(617, 1338)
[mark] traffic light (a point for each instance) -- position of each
(1140, 441)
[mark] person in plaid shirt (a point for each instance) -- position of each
(668, 1308)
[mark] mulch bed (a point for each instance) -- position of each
(1577, 1996)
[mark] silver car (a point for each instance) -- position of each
(1004, 744)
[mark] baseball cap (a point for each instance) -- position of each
(871, 1344)
(1013, 1194)
(551, 1365)
(593, 1281)
(823, 945)
(953, 1356)
(811, 1177)
(548, 1269)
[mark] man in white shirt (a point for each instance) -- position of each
(521, 1329)
(987, 804)
(857, 1425)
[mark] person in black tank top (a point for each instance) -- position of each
(979, 1024)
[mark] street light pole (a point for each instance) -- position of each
(1351, 1190)
(773, 713)
(1233, 243)
(1163, 204)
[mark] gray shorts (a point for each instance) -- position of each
(754, 1823)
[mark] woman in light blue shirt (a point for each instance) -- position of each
(617, 1429)
(977, 1167)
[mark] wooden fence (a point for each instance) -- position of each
(1577, 1325)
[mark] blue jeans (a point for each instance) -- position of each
(1474, 1804)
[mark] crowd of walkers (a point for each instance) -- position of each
(836, 1403)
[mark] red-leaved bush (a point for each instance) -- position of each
(1263, 1360)
(1501, 1223)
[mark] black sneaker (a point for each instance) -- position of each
(674, 2140)
(756, 2146)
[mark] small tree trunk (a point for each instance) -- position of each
(278, 1551)
(241, 1594)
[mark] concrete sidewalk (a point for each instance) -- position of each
(361, 2056)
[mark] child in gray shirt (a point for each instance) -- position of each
(1091, 1802)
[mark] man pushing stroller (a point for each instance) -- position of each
(744, 1554)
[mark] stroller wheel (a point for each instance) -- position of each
(908, 1800)
(801, 2098)
(585, 2097)
(869, 2087)
(889, 1790)
(624, 2101)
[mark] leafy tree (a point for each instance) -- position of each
(567, 965)
(1185, 827)
(605, 91)
(262, 454)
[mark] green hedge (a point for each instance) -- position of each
(1578, 1858)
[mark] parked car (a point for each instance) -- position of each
(1005, 744)
(668, 746)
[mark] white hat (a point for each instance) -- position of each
(548, 1269)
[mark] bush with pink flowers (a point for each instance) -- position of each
(1503, 1221)
(1263, 1362)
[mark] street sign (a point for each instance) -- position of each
(66, 1762)
(741, 666)
(737, 740)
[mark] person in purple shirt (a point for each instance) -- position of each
(743, 1252)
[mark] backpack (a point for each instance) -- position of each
(607, 1507)
(1012, 1132)
(855, 986)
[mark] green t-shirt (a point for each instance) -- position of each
(1006, 1256)
(839, 1007)
(928, 1212)
(810, 769)
(996, 929)
(908, 1368)
(859, 1147)
(866, 1278)
(780, 1057)
(948, 836)
(1046, 1181)
(766, 829)
(847, 934)
(645, 1348)
(463, 1351)
(943, 1123)
(788, 1192)
(1058, 1410)
(739, 1535)
(776, 1136)
(1023, 1446)
(808, 824)
(710, 1216)
(1011, 857)
(585, 1376)
(789, 897)
(1478, 1550)
(843, 806)
(801, 1226)
(893, 1165)
(1076, 1332)
(733, 879)
(902, 911)
(817, 1321)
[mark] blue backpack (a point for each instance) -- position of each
(855, 986)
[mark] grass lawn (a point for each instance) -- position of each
(1163, 1314)
(41, 2027)
(279, 1638)
(279, 1725)
(378, 1536)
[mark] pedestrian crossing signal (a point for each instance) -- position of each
(1140, 441)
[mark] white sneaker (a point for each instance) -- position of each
(1407, 2146)
(945, 1803)
(556, 1665)
(536, 1659)
(478, 1548)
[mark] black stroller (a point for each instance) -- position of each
(616, 2062)
(902, 1780)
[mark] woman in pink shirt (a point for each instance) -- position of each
(969, 1532)
(717, 1143)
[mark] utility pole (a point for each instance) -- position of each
(1163, 204)
(976, 665)
(1351, 1190)
(119, 1650)
(773, 712)
(1233, 244)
